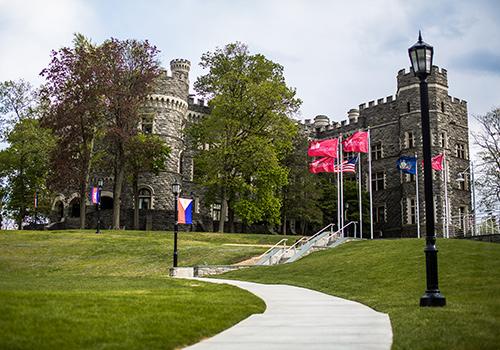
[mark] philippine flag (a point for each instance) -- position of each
(185, 209)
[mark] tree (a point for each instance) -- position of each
(301, 196)
(144, 153)
(488, 168)
(18, 100)
(75, 85)
(25, 165)
(248, 133)
(131, 68)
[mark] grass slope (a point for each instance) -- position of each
(79, 290)
(389, 276)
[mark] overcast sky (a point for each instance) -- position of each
(337, 54)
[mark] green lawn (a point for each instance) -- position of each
(389, 276)
(79, 290)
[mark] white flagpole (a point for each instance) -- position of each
(360, 198)
(341, 186)
(417, 209)
(370, 181)
(447, 204)
(338, 190)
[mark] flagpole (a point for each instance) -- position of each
(341, 185)
(417, 209)
(338, 190)
(446, 201)
(370, 181)
(359, 198)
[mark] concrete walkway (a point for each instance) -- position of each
(299, 318)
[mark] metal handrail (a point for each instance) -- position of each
(282, 241)
(343, 228)
(294, 247)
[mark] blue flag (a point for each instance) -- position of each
(407, 165)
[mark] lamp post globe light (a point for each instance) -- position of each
(421, 55)
(98, 204)
(176, 189)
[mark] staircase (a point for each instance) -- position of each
(323, 239)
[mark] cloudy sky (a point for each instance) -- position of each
(337, 54)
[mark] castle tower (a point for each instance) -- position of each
(167, 109)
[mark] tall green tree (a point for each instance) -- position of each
(18, 100)
(248, 133)
(131, 69)
(144, 153)
(302, 194)
(75, 85)
(25, 165)
(488, 168)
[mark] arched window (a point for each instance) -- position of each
(74, 207)
(144, 198)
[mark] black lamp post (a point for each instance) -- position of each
(176, 189)
(98, 205)
(421, 60)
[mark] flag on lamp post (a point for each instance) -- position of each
(94, 195)
(323, 148)
(185, 211)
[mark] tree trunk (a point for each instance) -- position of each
(117, 189)
(135, 186)
(223, 209)
(284, 225)
(83, 204)
(230, 212)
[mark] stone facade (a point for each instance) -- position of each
(394, 124)
(395, 128)
(166, 113)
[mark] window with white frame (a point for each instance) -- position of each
(379, 214)
(409, 139)
(147, 124)
(411, 211)
(144, 198)
(377, 151)
(378, 181)
(442, 139)
(460, 150)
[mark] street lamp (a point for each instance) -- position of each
(421, 55)
(176, 189)
(98, 204)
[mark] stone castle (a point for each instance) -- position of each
(395, 128)
(394, 122)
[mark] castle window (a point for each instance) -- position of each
(144, 198)
(409, 140)
(216, 210)
(409, 177)
(348, 155)
(442, 139)
(460, 150)
(379, 214)
(408, 107)
(377, 151)
(378, 181)
(411, 205)
(442, 106)
(147, 124)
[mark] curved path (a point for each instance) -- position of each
(299, 318)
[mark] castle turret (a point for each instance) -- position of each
(353, 115)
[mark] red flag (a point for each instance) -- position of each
(323, 148)
(322, 165)
(436, 162)
(357, 142)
